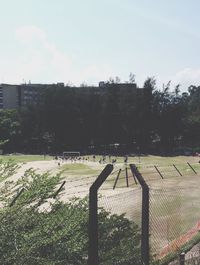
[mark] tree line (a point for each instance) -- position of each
(146, 119)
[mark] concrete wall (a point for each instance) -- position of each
(10, 96)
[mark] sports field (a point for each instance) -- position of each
(174, 192)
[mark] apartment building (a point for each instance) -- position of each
(16, 96)
(30, 94)
(9, 96)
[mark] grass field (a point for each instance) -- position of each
(156, 160)
(24, 158)
(174, 200)
(150, 160)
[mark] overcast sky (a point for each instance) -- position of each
(77, 41)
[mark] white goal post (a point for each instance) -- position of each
(71, 154)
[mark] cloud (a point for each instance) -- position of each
(27, 34)
(38, 59)
(40, 56)
(187, 77)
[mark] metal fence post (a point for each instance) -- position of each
(182, 258)
(16, 197)
(192, 168)
(177, 170)
(127, 184)
(59, 189)
(93, 258)
(145, 215)
(134, 178)
(159, 172)
(117, 179)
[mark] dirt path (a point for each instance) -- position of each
(39, 166)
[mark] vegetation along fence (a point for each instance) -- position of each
(162, 202)
(137, 214)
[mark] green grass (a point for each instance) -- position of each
(25, 158)
(165, 161)
(149, 159)
(175, 256)
(153, 160)
(78, 169)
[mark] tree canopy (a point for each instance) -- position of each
(69, 118)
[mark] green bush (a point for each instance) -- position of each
(38, 230)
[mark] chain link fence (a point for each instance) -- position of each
(39, 227)
(126, 204)
(174, 210)
(174, 216)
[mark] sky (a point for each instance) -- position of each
(87, 41)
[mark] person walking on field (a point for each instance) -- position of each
(126, 160)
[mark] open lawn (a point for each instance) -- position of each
(24, 158)
(154, 160)
(139, 160)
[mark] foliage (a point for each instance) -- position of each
(40, 230)
(10, 129)
(145, 119)
(7, 169)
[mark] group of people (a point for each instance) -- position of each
(103, 160)
(72, 159)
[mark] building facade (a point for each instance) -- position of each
(9, 96)
(17, 96)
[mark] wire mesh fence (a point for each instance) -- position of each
(190, 258)
(174, 216)
(41, 228)
(165, 219)
(125, 210)
(193, 256)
